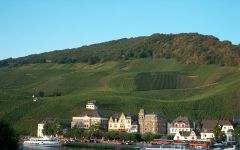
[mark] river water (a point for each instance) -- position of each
(55, 148)
(67, 148)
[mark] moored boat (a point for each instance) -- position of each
(42, 141)
(166, 147)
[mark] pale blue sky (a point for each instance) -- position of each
(35, 26)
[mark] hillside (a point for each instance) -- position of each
(159, 85)
(187, 48)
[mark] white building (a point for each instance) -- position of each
(92, 105)
(90, 116)
(40, 129)
(207, 127)
(180, 124)
(185, 136)
(41, 126)
(207, 136)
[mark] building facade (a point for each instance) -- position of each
(207, 127)
(90, 116)
(40, 129)
(181, 123)
(92, 105)
(185, 136)
(153, 123)
(120, 122)
(134, 127)
(41, 126)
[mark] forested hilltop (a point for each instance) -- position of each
(188, 48)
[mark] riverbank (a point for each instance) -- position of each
(101, 146)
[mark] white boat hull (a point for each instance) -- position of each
(41, 142)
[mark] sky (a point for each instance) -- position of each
(36, 26)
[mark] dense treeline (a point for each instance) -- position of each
(97, 131)
(185, 47)
(8, 137)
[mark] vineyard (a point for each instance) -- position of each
(160, 80)
(158, 85)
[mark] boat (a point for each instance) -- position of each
(42, 141)
(166, 147)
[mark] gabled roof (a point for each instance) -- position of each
(208, 125)
(235, 122)
(161, 116)
(92, 113)
(182, 119)
(118, 115)
(186, 133)
(135, 123)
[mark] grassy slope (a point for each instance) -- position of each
(213, 92)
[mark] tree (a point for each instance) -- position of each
(74, 132)
(111, 135)
(95, 131)
(218, 134)
(51, 128)
(148, 137)
(93, 60)
(170, 137)
(138, 137)
(237, 134)
(4, 63)
(129, 136)
(8, 137)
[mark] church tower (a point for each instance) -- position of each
(141, 116)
